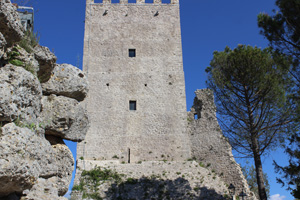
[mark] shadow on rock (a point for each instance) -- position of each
(154, 188)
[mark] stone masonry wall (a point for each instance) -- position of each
(209, 146)
(156, 130)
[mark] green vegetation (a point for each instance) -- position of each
(250, 175)
(16, 62)
(283, 32)
(91, 180)
(250, 87)
(29, 41)
(21, 124)
(115, 157)
(29, 68)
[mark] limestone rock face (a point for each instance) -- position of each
(64, 162)
(43, 189)
(34, 165)
(68, 81)
(20, 95)
(28, 60)
(26, 157)
(2, 45)
(10, 26)
(64, 117)
(22, 156)
(46, 61)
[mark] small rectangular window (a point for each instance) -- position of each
(132, 105)
(132, 53)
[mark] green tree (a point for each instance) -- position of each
(283, 32)
(290, 173)
(250, 175)
(250, 92)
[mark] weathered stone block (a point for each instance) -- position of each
(43, 189)
(20, 95)
(64, 117)
(140, 1)
(67, 80)
(174, 1)
(10, 26)
(46, 61)
(157, 1)
(2, 45)
(23, 156)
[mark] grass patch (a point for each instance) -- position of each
(16, 62)
(29, 41)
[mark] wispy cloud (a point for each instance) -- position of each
(277, 197)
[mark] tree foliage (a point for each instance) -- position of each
(250, 91)
(291, 173)
(283, 32)
(250, 175)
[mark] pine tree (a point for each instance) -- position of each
(283, 32)
(250, 91)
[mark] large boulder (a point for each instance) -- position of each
(24, 154)
(46, 61)
(10, 25)
(64, 117)
(42, 190)
(64, 163)
(28, 160)
(19, 56)
(20, 95)
(67, 80)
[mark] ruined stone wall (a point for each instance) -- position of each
(209, 146)
(156, 130)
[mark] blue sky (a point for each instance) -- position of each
(207, 26)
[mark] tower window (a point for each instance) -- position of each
(132, 53)
(132, 105)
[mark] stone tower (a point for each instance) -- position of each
(137, 102)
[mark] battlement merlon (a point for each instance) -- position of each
(137, 2)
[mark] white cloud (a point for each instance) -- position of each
(68, 194)
(277, 197)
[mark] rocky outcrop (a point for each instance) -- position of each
(22, 158)
(10, 25)
(208, 144)
(68, 81)
(43, 189)
(2, 45)
(46, 61)
(20, 95)
(35, 163)
(64, 117)
(18, 55)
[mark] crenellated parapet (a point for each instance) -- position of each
(136, 2)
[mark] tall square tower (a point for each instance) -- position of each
(137, 103)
